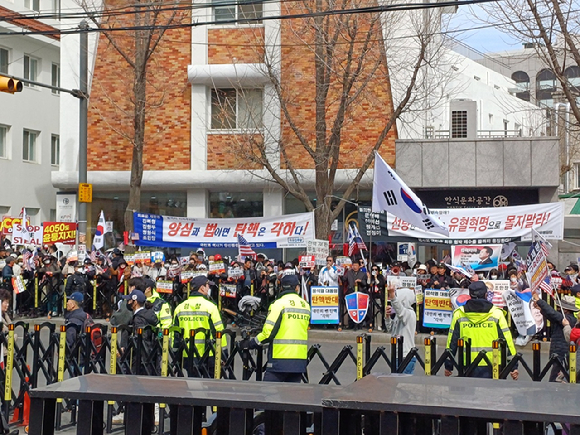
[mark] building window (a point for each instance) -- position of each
(522, 80)
(32, 4)
(458, 123)
(3, 61)
(236, 205)
(244, 11)
(545, 87)
(29, 146)
(55, 77)
(577, 173)
(3, 141)
(573, 75)
(54, 150)
(236, 109)
(505, 127)
(30, 69)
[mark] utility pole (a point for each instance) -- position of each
(83, 115)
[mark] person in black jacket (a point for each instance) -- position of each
(558, 344)
(74, 318)
(76, 282)
(441, 280)
(143, 316)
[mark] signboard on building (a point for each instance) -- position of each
(66, 207)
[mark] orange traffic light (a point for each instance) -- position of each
(9, 85)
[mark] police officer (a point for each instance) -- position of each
(160, 306)
(286, 329)
(482, 322)
(199, 312)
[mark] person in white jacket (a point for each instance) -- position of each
(328, 275)
(405, 321)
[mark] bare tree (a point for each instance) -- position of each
(135, 31)
(348, 59)
(552, 27)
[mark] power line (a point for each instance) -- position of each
(366, 10)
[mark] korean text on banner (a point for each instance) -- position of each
(496, 291)
(402, 281)
(59, 232)
(324, 305)
(438, 309)
(288, 231)
(507, 223)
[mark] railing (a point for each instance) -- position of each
(41, 356)
(444, 134)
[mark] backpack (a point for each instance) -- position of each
(96, 334)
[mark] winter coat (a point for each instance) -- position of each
(405, 321)
(558, 343)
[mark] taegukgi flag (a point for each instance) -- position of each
(99, 239)
(392, 195)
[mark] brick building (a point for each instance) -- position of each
(217, 94)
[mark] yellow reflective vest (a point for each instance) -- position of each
(161, 309)
(198, 312)
(286, 329)
(482, 329)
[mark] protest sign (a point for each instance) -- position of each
(228, 291)
(216, 267)
(59, 232)
(496, 289)
(402, 281)
(478, 257)
(324, 305)
(307, 261)
(319, 249)
(18, 284)
(527, 318)
(143, 257)
(164, 286)
(438, 309)
(288, 231)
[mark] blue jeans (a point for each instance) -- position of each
(410, 369)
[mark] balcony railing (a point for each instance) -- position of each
(444, 134)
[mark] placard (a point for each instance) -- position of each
(307, 261)
(144, 257)
(18, 284)
(402, 281)
(324, 305)
(319, 249)
(164, 287)
(216, 267)
(438, 309)
(228, 291)
(59, 232)
(496, 289)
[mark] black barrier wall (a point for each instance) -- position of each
(40, 356)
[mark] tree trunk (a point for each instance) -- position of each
(323, 221)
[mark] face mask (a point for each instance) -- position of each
(494, 277)
(480, 275)
(513, 279)
(209, 292)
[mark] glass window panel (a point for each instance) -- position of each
(250, 108)
(223, 109)
(3, 61)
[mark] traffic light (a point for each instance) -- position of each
(9, 85)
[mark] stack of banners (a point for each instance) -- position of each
(537, 269)
(357, 305)
(18, 284)
(288, 231)
(164, 286)
(476, 257)
(402, 281)
(216, 267)
(487, 225)
(438, 309)
(319, 249)
(307, 261)
(343, 263)
(228, 291)
(496, 291)
(324, 305)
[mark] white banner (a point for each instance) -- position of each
(29, 236)
(66, 207)
(527, 318)
(288, 231)
(490, 224)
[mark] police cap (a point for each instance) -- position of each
(289, 281)
(198, 281)
(477, 290)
